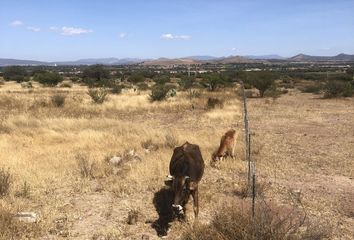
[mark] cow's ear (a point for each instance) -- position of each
(193, 186)
(169, 182)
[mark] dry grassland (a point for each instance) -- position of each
(301, 144)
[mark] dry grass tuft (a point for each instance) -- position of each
(149, 145)
(85, 166)
(5, 182)
(171, 140)
(98, 95)
(214, 102)
(244, 189)
(108, 234)
(133, 216)
(24, 191)
(58, 100)
(234, 222)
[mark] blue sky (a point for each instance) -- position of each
(69, 30)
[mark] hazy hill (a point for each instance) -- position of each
(309, 58)
(168, 62)
(232, 59)
(202, 58)
(183, 61)
(266, 57)
(8, 62)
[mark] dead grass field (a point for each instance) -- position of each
(301, 143)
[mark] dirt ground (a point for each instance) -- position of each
(309, 142)
(303, 145)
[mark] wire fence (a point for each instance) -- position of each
(250, 164)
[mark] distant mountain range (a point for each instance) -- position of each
(308, 58)
(184, 61)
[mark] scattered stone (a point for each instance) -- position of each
(115, 161)
(29, 217)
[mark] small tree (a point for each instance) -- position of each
(261, 80)
(213, 81)
(95, 75)
(186, 82)
(15, 73)
(162, 79)
(136, 78)
(48, 78)
(335, 89)
(159, 93)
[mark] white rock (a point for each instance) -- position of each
(115, 160)
(29, 217)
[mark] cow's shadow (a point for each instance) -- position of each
(162, 201)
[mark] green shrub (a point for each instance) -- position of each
(247, 86)
(136, 78)
(98, 95)
(186, 82)
(48, 78)
(58, 100)
(162, 79)
(95, 75)
(274, 92)
(75, 78)
(142, 86)
(313, 88)
(14, 73)
(159, 93)
(335, 89)
(263, 80)
(116, 89)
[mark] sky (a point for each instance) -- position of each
(63, 30)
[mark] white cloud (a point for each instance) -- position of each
(122, 35)
(54, 28)
(74, 31)
(169, 36)
(16, 23)
(69, 31)
(233, 49)
(34, 29)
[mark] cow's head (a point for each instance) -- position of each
(181, 186)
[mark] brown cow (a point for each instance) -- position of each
(226, 148)
(186, 170)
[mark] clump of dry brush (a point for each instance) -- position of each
(269, 222)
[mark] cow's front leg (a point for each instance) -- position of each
(195, 203)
